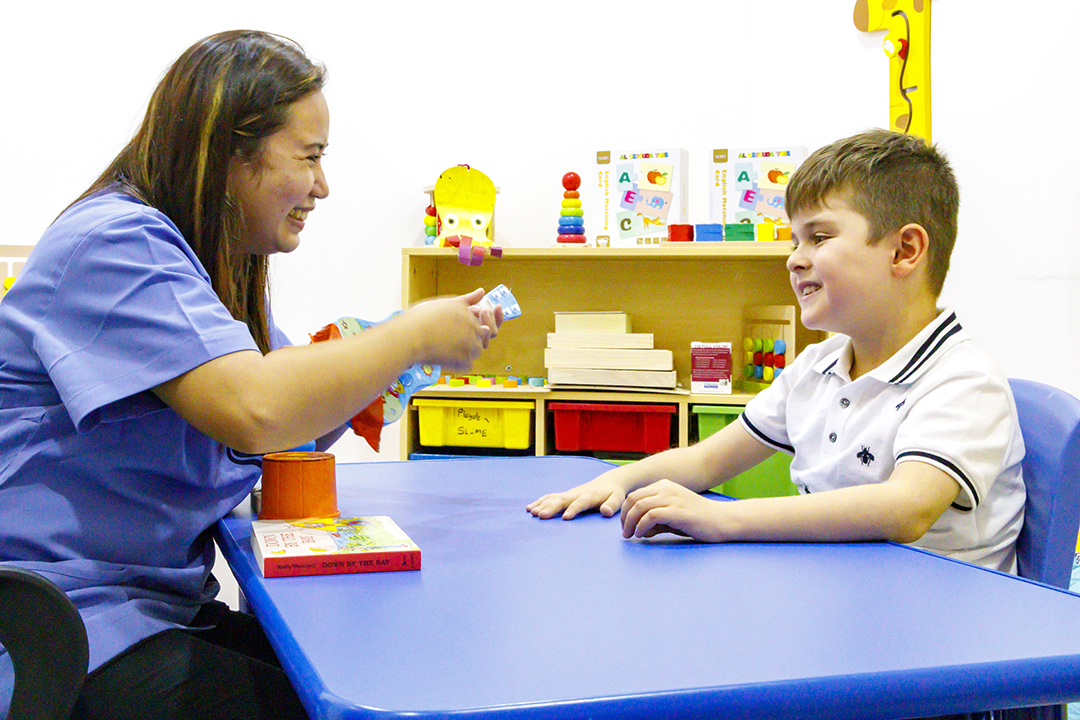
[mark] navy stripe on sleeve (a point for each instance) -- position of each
(947, 464)
(763, 437)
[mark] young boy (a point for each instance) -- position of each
(901, 428)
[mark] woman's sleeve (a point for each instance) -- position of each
(131, 308)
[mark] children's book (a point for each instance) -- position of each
(635, 195)
(326, 546)
(747, 185)
(710, 367)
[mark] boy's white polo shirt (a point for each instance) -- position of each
(940, 400)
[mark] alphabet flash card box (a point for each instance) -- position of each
(636, 195)
(747, 185)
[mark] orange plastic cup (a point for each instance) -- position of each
(298, 485)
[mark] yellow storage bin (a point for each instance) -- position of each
(475, 423)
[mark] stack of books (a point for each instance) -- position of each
(598, 349)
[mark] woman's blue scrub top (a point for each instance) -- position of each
(104, 489)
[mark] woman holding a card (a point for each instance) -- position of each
(142, 376)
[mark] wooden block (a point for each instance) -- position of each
(592, 322)
(609, 359)
(613, 378)
(642, 341)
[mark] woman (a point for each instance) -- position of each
(140, 368)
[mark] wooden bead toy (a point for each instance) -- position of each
(430, 229)
(763, 358)
(571, 218)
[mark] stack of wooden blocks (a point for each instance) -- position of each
(598, 349)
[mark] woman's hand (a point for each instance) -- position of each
(490, 318)
(449, 331)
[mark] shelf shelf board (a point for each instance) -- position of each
(666, 250)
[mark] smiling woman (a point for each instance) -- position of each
(277, 189)
(140, 368)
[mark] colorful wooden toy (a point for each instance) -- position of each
(461, 214)
(768, 338)
(430, 229)
(572, 217)
(709, 232)
(680, 233)
(907, 43)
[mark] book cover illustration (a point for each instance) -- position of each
(317, 546)
(636, 195)
(747, 185)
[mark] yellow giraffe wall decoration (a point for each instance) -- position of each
(907, 43)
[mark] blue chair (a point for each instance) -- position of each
(1050, 424)
(44, 634)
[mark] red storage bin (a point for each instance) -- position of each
(623, 428)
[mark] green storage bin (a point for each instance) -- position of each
(771, 478)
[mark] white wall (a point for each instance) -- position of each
(527, 92)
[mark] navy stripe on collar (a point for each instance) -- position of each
(949, 327)
(763, 437)
(947, 464)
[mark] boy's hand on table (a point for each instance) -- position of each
(665, 506)
(600, 493)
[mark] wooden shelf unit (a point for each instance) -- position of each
(678, 292)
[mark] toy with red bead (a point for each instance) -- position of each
(572, 218)
(430, 224)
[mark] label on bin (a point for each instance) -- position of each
(710, 368)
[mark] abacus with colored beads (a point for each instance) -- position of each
(572, 217)
(768, 344)
(764, 358)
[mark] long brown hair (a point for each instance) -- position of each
(216, 103)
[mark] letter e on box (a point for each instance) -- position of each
(710, 368)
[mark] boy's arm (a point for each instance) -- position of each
(699, 467)
(900, 509)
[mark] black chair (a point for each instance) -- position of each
(44, 634)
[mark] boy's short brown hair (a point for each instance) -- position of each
(891, 179)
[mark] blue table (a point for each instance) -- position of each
(514, 617)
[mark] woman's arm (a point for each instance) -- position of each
(257, 404)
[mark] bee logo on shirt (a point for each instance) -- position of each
(865, 456)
